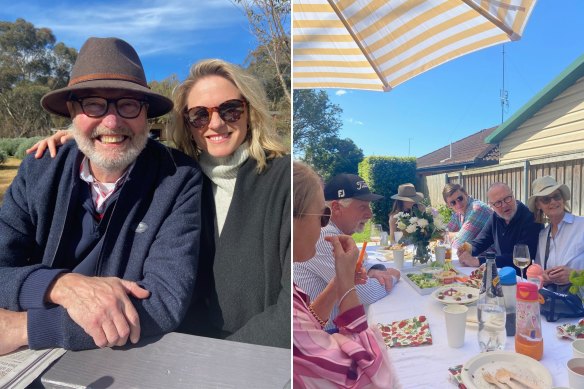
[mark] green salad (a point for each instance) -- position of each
(423, 280)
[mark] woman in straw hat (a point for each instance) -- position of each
(405, 199)
(561, 244)
(221, 119)
(354, 357)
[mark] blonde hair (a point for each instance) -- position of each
(264, 143)
(306, 184)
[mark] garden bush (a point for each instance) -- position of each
(10, 145)
(25, 144)
(3, 156)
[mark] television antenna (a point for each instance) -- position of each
(503, 94)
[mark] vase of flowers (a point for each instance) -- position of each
(419, 228)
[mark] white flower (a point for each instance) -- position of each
(413, 220)
(401, 225)
(411, 229)
(423, 223)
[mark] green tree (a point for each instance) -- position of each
(315, 119)
(333, 156)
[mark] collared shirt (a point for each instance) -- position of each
(470, 223)
(314, 275)
(521, 229)
(567, 247)
(100, 191)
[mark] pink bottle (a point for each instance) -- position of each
(535, 275)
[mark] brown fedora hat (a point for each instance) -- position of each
(106, 63)
(407, 192)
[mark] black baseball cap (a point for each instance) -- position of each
(348, 186)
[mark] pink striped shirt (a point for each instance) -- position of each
(353, 358)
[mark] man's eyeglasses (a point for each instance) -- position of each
(547, 199)
(229, 111)
(460, 199)
(96, 107)
(499, 204)
(324, 218)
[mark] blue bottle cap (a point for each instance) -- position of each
(507, 276)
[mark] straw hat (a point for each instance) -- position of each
(543, 186)
(407, 192)
(106, 63)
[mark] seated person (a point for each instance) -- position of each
(561, 243)
(356, 356)
(100, 245)
(469, 215)
(348, 199)
(405, 200)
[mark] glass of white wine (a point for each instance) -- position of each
(521, 257)
(375, 236)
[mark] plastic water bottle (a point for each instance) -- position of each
(491, 309)
(528, 338)
(509, 285)
(535, 275)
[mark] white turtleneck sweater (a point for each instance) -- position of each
(222, 171)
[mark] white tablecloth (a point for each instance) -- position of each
(427, 366)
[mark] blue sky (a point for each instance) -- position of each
(461, 97)
(169, 35)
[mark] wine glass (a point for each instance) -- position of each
(375, 236)
(397, 236)
(521, 257)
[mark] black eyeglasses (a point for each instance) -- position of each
(507, 200)
(547, 199)
(229, 111)
(95, 107)
(324, 218)
(460, 199)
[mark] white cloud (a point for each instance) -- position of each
(341, 92)
(356, 122)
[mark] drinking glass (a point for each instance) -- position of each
(397, 236)
(375, 236)
(521, 257)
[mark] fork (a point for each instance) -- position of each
(491, 380)
(506, 376)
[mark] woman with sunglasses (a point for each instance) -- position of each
(242, 291)
(355, 356)
(560, 248)
(469, 215)
(406, 199)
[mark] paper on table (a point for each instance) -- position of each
(408, 332)
(20, 368)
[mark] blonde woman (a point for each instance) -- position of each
(354, 357)
(221, 119)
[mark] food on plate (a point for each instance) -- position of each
(423, 280)
(456, 294)
(397, 246)
(446, 276)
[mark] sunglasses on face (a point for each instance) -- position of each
(95, 107)
(547, 199)
(324, 217)
(460, 199)
(499, 204)
(230, 111)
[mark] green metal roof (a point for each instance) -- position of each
(559, 84)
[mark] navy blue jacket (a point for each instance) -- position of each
(152, 238)
(521, 229)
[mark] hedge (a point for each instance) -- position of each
(3, 156)
(25, 144)
(9, 145)
(383, 176)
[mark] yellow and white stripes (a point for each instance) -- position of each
(378, 44)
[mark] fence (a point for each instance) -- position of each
(566, 169)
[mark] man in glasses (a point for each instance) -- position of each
(99, 246)
(348, 198)
(510, 224)
(469, 215)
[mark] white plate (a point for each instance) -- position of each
(456, 294)
(522, 365)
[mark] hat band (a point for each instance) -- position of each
(107, 76)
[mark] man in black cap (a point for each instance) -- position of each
(100, 245)
(348, 196)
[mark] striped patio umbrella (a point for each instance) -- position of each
(378, 44)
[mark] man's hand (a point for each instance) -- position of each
(558, 275)
(385, 277)
(13, 332)
(101, 306)
(466, 259)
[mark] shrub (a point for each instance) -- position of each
(3, 156)
(9, 145)
(445, 212)
(25, 144)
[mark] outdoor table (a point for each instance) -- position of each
(427, 366)
(173, 361)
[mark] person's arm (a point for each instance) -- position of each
(472, 226)
(59, 138)
(484, 239)
(392, 227)
(13, 333)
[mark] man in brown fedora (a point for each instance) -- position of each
(349, 200)
(100, 245)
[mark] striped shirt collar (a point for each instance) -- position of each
(100, 191)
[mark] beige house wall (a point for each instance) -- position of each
(556, 129)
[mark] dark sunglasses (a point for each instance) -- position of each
(547, 199)
(229, 111)
(324, 217)
(460, 199)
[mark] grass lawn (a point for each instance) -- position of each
(8, 171)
